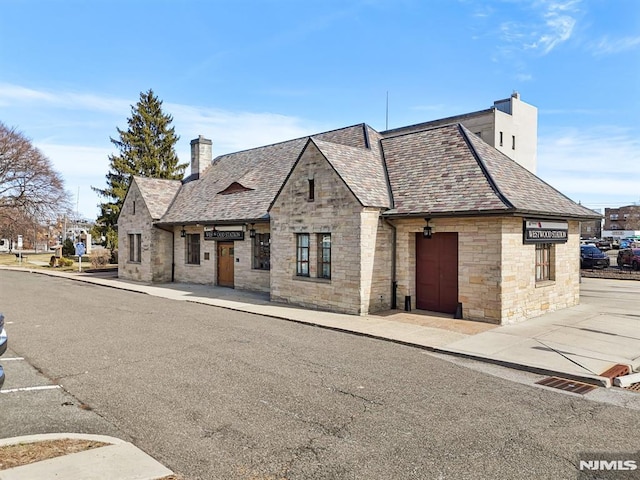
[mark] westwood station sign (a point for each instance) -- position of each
(543, 231)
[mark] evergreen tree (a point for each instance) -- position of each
(146, 149)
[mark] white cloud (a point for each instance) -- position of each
(77, 160)
(559, 29)
(81, 167)
(549, 24)
(234, 131)
(16, 95)
(67, 141)
(599, 164)
(608, 46)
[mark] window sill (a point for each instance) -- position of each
(192, 264)
(545, 283)
(312, 279)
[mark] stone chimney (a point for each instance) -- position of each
(201, 155)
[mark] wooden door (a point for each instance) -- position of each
(437, 272)
(226, 258)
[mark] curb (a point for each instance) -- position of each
(115, 460)
(60, 436)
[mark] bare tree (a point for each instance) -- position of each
(29, 186)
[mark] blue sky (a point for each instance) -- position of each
(246, 73)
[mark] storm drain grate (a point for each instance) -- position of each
(616, 371)
(633, 387)
(567, 385)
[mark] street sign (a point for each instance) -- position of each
(80, 249)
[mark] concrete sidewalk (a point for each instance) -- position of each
(117, 460)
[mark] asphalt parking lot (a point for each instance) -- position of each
(37, 404)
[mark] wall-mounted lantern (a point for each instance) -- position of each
(183, 232)
(252, 232)
(427, 231)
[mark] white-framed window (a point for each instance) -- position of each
(544, 262)
(262, 251)
(302, 254)
(324, 255)
(193, 249)
(135, 247)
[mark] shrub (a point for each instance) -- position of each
(52, 261)
(100, 258)
(68, 248)
(65, 262)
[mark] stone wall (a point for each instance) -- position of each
(205, 272)
(376, 262)
(155, 255)
(479, 258)
(245, 276)
(334, 210)
(496, 271)
(522, 297)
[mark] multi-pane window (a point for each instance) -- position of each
(543, 262)
(302, 254)
(324, 255)
(135, 247)
(193, 248)
(262, 251)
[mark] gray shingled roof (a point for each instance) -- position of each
(157, 194)
(524, 190)
(435, 171)
(448, 170)
(361, 169)
(262, 170)
(444, 170)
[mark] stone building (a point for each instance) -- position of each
(359, 221)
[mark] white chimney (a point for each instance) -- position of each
(201, 155)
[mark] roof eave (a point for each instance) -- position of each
(492, 213)
(263, 219)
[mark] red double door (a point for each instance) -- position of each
(437, 272)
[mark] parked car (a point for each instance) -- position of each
(603, 244)
(592, 257)
(3, 346)
(629, 257)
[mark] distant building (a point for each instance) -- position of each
(622, 222)
(591, 228)
(510, 126)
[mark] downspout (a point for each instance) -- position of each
(173, 256)
(394, 281)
